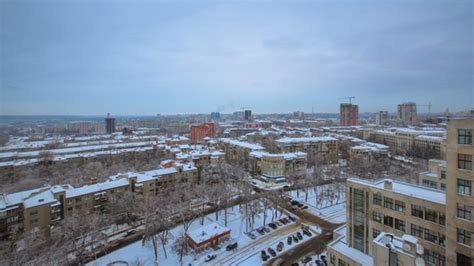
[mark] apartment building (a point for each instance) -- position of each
(238, 151)
(369, 152)
(459, 195)
(40, 208)
(349, 114)
(396, 208)
(407, 113)
(381, 117)
(277, 165)
(435, 177)
(201, 131)
(322, 147)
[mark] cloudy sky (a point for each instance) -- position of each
(147, 57)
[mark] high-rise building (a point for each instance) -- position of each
(84, 128)
(459, 194)
(381, 117)
(215, 116)
(248, 115)
(199, 132)
(109, 124)
(349, 114)
(407, 113)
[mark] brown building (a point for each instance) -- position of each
(207, 236)
(199, 132)
(349, 114)
(407, 113)
(460, 198)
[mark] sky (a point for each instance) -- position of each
(147, 57)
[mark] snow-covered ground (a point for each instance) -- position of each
(136, 252)
(327, 201)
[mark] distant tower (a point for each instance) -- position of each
(248, 115)
(407, 113)
(349, 114)
(381, 117)
(109, 124)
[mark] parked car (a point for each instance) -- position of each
(264, 255)
(307, 259)
(304, 207)
(300, 237)
(130, 232)
(307, 232)
(319, 263)
(280, 246)
(294, 202)
(232, 246)
(289, 240)
(272, 225)
(282, 221)
(251, 235)
(286, 220)
(272, 252)
(300, 205)
(278, 223)
(209, 258)
(295, 264)
(292, 218)
(266, 229)
(261, 230)
(295, 239)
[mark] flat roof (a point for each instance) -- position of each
(341, 247)
(207, 232)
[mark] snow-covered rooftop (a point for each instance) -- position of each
(288, 140)
(341, 247)
(242, 144)
(411, 190)
(207, 232)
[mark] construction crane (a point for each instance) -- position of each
(429, 108)
(350, 98)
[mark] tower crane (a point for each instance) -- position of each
(350, 98)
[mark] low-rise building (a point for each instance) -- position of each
(323, 147)
(207, 236)
(435, 177)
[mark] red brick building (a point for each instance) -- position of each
(349, 114)
(199, 132)
(207, 236)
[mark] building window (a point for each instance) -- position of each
(34, 212)
(400, 225)
(464, 187)
(417, 230)
(388, 221)
(464, 211)
(464, 237)
(377, 217)
(464, 136)
(431, 236)
(429, 183)
(443, 187)
(388, 203)
(417, 211)
(435, 258)
(465, 161)
(332, 259)
(377, 199)
(442, 239)
(431, 215)
(342, 263)
(399, 206)
(443, 174)
(442, 218)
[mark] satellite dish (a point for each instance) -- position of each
(419, 249)
(419, 261)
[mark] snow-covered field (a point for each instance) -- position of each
(137, 253)
(327, 201)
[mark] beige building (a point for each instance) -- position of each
(407, 113)
(326, 148)
(460, 198)
(369, 152)
(238, 151)
(397, 208)
(277, 165)
(435, 177)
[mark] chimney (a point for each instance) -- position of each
(388, 184)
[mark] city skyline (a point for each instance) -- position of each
(161, 57)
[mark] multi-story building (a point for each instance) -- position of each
(349, 114)
(326, 148)
(407, 113)
(109, 124)
(435, 177)
(369, 152)
(248, 115)
(84, 127)
(40, 208)
(199, 132)
(238, 151)
(397, 208)
(381, 117)
(459, 195)
(277, 165)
